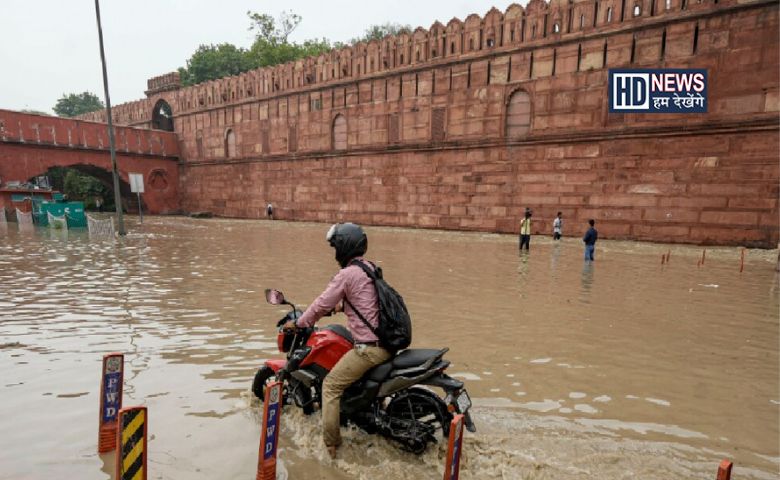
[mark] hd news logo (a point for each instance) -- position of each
(658, 91)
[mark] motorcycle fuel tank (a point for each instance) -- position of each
(327, 347)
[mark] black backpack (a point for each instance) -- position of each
(395, 326)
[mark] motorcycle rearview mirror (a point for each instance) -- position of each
(274, 297)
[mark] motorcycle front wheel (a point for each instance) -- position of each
(420, 413)
(263, 377)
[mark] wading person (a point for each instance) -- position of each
(590, 241)
(557, 226)
(269, 211)
(353, 285)
(525, 230)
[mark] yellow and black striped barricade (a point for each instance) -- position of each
(110, 400)
(454, 449)
(266, 463)
(131, 449)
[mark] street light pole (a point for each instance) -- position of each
(117, 195)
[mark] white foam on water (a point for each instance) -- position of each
(585, 408)
(643, 428)
(540, 360)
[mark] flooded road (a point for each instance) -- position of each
(619, 369)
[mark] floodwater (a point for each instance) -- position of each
(624, 368)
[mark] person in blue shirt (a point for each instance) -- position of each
(590, 241)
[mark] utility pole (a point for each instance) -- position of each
(112, 144)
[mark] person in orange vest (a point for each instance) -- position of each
(525, 230)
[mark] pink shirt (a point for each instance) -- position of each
(353, 283)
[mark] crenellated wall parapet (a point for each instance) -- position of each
(539, 26)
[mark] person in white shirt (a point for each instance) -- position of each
(557, 226)
(525, 230)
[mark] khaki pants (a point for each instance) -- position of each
(347, 370)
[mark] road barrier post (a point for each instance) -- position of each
(454, 448)
(131, 449)
(110, 400)
(266, 462)
(724, 470)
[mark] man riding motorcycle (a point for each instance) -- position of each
(350, 283)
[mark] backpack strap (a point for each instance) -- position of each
(365, 268)
(360, 315)
(371, 276)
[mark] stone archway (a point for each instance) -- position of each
(129, 199)
(162, 116)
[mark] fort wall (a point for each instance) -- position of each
(464, 125)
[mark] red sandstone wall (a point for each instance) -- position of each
(637, 188)
(71, 133)
(31, 144)
(717, 183)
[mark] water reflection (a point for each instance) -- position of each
(183, 299)
(555, 254)
(524, 265)
(586, 281)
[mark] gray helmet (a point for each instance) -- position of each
(349, 240)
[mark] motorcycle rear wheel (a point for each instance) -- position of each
(424, 407)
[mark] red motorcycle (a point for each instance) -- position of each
(389, 399)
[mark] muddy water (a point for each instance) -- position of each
(620, 369)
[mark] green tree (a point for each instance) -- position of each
(378, 32)
(79, 186)
(271, 47)
(74, 104)
(264, 53)
(210, 62)
(267, 28)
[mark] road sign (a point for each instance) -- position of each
(136, 182)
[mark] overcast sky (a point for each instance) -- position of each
(50, 47)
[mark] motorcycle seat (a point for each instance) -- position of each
(416, 357)
(380, 372)
(341, 331)
(403, 362)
